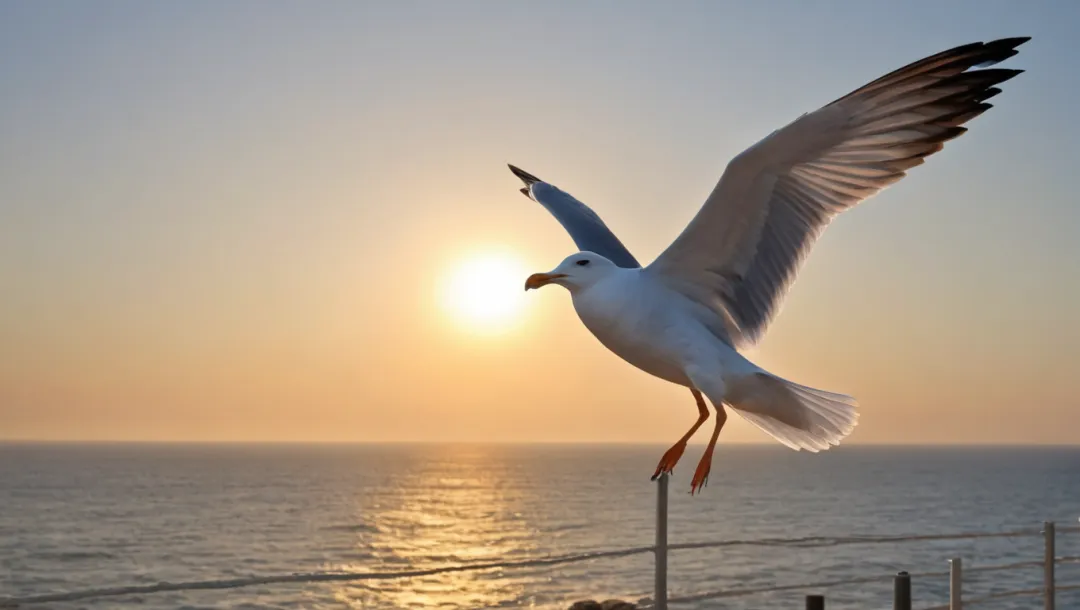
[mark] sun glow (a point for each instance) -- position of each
(487, 292)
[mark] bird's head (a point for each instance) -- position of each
(576, 272)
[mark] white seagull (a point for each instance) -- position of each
(717, 286)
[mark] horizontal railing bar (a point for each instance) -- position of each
(1017, 593)
(1020, 564)
(1075, 587)
(1004, 566)
(1002, 595)
(821, 541)
(792, 587)
(804, 542)
(309, 577)
(1067, 559)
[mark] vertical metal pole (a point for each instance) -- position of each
(815, 602)
(660, 595)
(956, 584)
(1048, 566)
(902, 591)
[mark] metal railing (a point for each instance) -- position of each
(661, 601)
(902, 599)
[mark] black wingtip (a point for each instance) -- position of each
(1004, 48)
(1001, 49)
(525, 176)
(525, 191)
(1013, 42)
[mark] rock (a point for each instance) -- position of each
(608, 604)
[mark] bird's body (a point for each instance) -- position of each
(641, 322)
(653, 328)
(657, 329)
(684, 316)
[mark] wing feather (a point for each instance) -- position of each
(583, 224)
(741, 251)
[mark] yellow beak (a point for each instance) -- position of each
(537, 280)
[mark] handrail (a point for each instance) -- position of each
(801, 542)
(825, 541)
(1075, 587)
(1005, 594)
(307, 577)
(1002, 567)
(792, 587)
(1067, 559)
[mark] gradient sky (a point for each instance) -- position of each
(231, 221)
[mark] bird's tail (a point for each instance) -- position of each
(797, 416)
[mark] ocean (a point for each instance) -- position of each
(79, 517)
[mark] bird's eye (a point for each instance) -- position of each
(583, 262)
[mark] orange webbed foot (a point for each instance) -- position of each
(701, 475)
(671, 457)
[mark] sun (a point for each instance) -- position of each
(486, 291)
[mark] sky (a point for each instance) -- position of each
(254, 221)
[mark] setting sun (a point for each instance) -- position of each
(486, 291)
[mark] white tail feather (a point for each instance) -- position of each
(798, 416)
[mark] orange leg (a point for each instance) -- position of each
(671, 456)
(701, 475)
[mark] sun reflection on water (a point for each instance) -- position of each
(456, 512)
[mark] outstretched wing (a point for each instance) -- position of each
(584, 225)
(742, 249)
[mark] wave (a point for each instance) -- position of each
(74, 555)
(365, 528)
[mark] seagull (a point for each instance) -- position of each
(713, 291)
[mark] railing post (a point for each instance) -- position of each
(660, 594)
(956, 584)
(1049, 558)
(815, 602)
(902, 591)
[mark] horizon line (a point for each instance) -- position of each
(747, 444)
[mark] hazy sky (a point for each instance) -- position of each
(236, 220)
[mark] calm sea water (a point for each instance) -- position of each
(76, 517)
